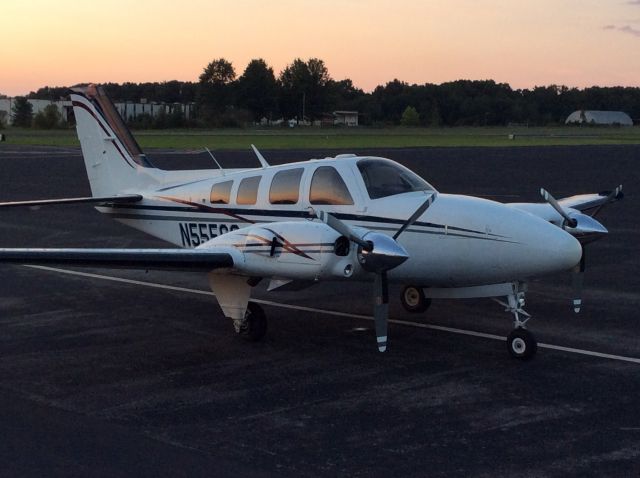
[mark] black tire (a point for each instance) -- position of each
(522, 344)
(413, 300)
(255, 327)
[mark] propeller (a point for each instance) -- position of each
(611, 196)
(335, 223)
(381, 308)
(414, 217)
(586, 230)
(378, 254)
(569, 221)
(577, 281)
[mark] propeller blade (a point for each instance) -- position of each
(336, 224)
(381, 309)
(554, 204)
(577, 281)
(614, 195)
(414, 217)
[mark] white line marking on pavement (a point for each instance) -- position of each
(440, 328)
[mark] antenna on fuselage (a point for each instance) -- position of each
(214, 160)
(260, 157)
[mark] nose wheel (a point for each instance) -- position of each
(521, 344)
(413, 300)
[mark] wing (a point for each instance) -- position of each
(162, 259)
(48, 202)
(587, 204)
(591, 203)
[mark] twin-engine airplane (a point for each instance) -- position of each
(347, 218)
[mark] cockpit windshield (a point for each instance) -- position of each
(383, 178)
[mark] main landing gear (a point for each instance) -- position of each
(521, 343)
(413, 300)
(253, 326)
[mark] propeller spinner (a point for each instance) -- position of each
(378, 253)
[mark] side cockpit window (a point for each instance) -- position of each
(384, 178)
(248, 190)
(327, 187)
(220, 192)
(285, 186)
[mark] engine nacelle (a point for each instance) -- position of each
(302, 250)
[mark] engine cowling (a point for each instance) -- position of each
(302, 250)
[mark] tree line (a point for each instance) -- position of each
(304, 90)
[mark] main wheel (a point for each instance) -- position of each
(255, 323)
(413, 300)
(522, 344)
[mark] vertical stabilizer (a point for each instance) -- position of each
(114, 161)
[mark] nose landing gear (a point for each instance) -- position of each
(521, 343)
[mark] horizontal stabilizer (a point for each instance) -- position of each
(157, 259)
(50, 202)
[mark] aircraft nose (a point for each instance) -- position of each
(544, 247)
(569, 250)
(561, 251)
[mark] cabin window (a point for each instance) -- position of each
(221, 192)
(384, 178)
(248, 190)
(285, 186)
(327, 187)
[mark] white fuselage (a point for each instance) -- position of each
(459, 241)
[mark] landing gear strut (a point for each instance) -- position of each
(413, 300)
(521, 343)
(253, 326)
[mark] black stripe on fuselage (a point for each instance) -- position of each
(276, 217)
(302, 214)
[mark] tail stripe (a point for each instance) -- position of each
(88, 110)
(106, 131)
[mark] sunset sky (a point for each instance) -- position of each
(524, 43)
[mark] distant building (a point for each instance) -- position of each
(129, 111)
(6, 107)
(347, 118)
(599, 117)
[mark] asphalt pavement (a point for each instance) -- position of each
(128, 373)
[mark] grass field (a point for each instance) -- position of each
(303, 138)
